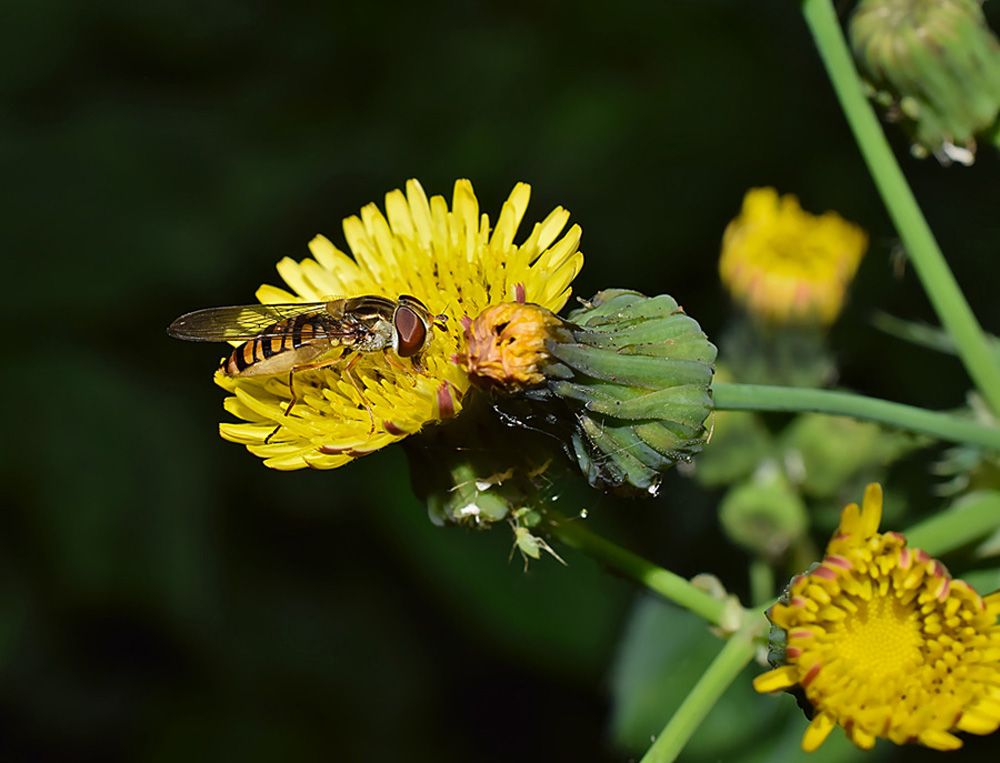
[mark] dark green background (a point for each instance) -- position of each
(163, 595)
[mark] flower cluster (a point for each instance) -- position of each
(450, 259)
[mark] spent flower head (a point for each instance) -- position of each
(787, 266)
(508, 345)
(453, 261)
(883, 642)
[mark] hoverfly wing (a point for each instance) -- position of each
(242, 322)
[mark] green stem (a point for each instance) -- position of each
(574, 532)
(943, 426)
(978, 516)
(928, 261)
(761, 582)
(726, 666)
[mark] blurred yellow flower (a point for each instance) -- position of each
(884, 643)
(787, 266)
(453, 262)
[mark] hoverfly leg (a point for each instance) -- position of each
(293, 397)
(361, 393)
(396, 364)
(292, 400)
(267, 440)
(415, 365)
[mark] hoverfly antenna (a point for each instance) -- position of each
(441, 319)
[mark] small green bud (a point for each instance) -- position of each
(764, 515)
(824, 453)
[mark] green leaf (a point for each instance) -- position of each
(662, 655)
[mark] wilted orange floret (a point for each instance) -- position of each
(507, 345)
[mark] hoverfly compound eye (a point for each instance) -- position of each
(411, 330)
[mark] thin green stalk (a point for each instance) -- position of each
(726, 666)
(761, 582)
(574, 532)
(943, 426)
(958, 526)
(928, 261)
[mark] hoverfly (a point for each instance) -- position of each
(295, 337)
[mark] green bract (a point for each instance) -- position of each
(636, 382)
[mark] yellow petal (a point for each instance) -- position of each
(778, 679)
(871, 513)
(817, 732)
(939, 740)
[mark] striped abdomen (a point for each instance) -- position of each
(292, 342)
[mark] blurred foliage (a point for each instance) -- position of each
(163, 595)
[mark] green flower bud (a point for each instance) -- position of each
(638, 379)
(625, 380)
(764, 515)
(824, 453)
(936, 64)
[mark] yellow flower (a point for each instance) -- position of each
(884, 643)
(786, 265)
(453, 262)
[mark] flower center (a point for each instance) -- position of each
(880, 641)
